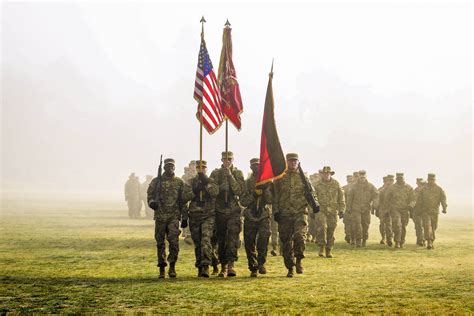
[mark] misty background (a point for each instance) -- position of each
(91, 92)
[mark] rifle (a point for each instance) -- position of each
(308, 191)
(155, 203)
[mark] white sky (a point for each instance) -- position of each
(92, 92)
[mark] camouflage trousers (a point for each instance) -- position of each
(430, 224)
(167, 229)
(347, 225)
(312, 227)
(228, 227)
(256, 236)
(274, 237)
(360, 222)
(325, 226)
(292, 232)
(418, 220)
(385, 226)
(214, 244)
(399, 224)
(202, 230)
(134, 207)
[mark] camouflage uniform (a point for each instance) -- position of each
(275, 239)
(189, 173)
(383, 213)
(144, 199)
(332, 204)
(417, 216)
(428, 201)
(291, 206)
(346, 218)
(400, 200)
(173, 195)
(312, 223)
(132, 196)
(257, 222)
(201, 213)
(228, 224)
(362, 198)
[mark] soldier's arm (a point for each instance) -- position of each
(237, 183)
(411, 198)
(375, 198)
(350, 197)
(268, 193)
(247, 197)
(276, 196)
(444, 205)
(212, 188)
(187, 193)
(151, 190)
(340, 200)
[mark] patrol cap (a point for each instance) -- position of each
(227, 155)
(362, 173)
(385, 178)
(192, 163)
(292, 156)
(431, 176)
(320, 171)
(399, 175)
(201, 162)
(132, 175)
(355, 174)
(349, 176)
(391, 176)
(327, 169)
(419, 180)
(169, 161)
(254, 161)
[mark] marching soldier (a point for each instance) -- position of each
(290, 209)
(312, 224)
(228, 225)
(429, 199)
(362, 198)
(143, 196)
(332, 204)
(401, 200)
(167, 204)
(345, 219)
(256, 220)
(189, 174)
(132, 196)
(201, 213)
(383, 212)
(417, 217)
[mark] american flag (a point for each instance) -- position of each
(206, 92)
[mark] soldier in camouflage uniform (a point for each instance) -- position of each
(132, 196)
(417, 217)
(428, 201)
(362, 198)
(189, 173)
(172, 196)
(383, 213)
(345, 219)
(257, 213)
(332, 204)
(290, 209)
(312, 224)
(275, 239)
(400, 200)
(228, 224)
(143, 196)
(201, 213)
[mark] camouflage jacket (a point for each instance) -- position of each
(383, 206)
(289, 195)
(132, 189)
(400, 197)
(362, 197)
(227, 201)
(201, 209)
(249, 201)
(330, 196)
(173, 196)
(429, 199)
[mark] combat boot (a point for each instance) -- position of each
(253, 273)
(205, 271)
(328, 252)
(382, 242)
(299, 266)
(230, 269)
(273, 253)
(162, 273)
(262, 269)
(215, 269)
(321, 251)
(348, 239)
(290, 273)
(401, 245)
(364, 242)
(389, 243)
(397, 244)
(172, 271)
(223, 272)
(199, 272)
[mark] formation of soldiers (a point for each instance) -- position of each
(216, 207)
(136, 196)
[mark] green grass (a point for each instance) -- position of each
(81, 261)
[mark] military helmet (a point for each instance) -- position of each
(292, 156)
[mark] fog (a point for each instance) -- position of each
(92, 92)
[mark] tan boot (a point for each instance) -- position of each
(321, 251)
(223, 272)
(230, 270)
(328, 252)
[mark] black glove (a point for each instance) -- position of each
(184, 223)
(153, 205)
(276, 217)
(203, 178)
(341, 215)
(317, 209)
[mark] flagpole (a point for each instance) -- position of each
(200, 115)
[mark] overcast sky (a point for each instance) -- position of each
(92, 92)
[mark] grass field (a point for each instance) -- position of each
(56, 260)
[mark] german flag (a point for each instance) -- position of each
(272, 160)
